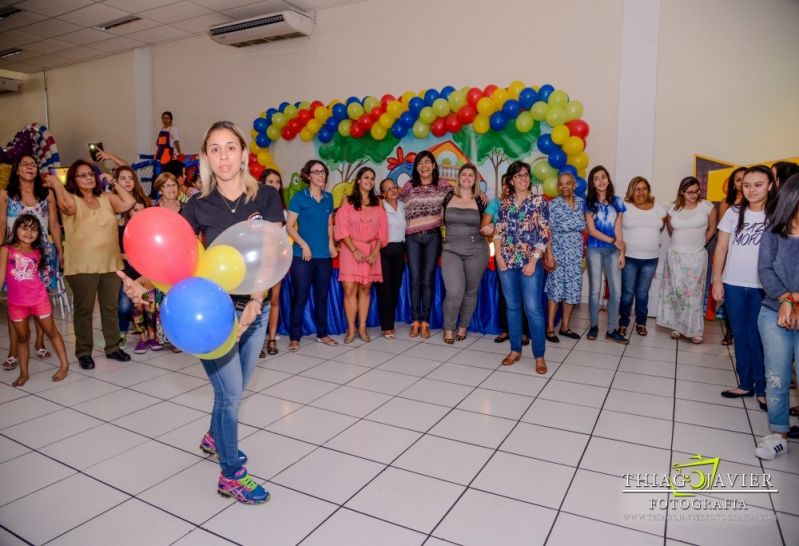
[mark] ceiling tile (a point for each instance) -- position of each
(258, 8)
(16, 38)
(48, 46)
(81, 53)
(120, 43)
(54, 61)
(138, 6)
(50, 28)
(313, 5)
(85, 36)
(23, 56)
(201, 24)
(176, 12)
(159, 34)
(135, 26)
(21, 67)
(50, 8)
(19, 20)
(220, 5)
(93, 15)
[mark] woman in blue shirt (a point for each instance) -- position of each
(310, 225)
(603, 213)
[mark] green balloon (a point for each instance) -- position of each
(542, 170)
(441, 107)
(457, 100)
(273, 132)
(354, 110)
(524, 122)
(370, 103)
(290, 111)
(427, 115)
(556, 116)
(539, 110)
(421, 129)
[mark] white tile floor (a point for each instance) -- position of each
(404, 442)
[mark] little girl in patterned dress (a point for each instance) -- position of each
(21, 260)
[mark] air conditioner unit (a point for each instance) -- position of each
(8, 84)
(262, 29)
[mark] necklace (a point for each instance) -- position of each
(235, 206)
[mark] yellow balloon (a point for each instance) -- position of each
(264, 158)
(304, 104)
(395, 109)
(162, 287)
(580, 160)
(407, 96)
(321, 114)
(573, 145)
(499, 96)
(226, 346)
(253, 146)
(313, 126)
(560, 134)
(485, 106)
(224, 265)
(253, 133)
(306, 135)
(481, 123)
(515, 88)
(378, 132)
(386, 120)
(200, 248)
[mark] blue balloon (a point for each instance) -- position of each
(399, 129)
(415, 106)
(557, 158)
(528, 97)
(283, 106)
(569, 169)
(353, 99)
(546, 145)
(260, 125)
(581, 187)
(430, 96)
(325, 135)
(498, 121)
(262, 140)
(271, 112)
(340, 111)
(447, 91)
(545, 91)
(197, 315)
(511, 108)
(407, 119)
(332, 123)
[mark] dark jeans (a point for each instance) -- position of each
(392, 261)
(125, 312)
(743, 304)
(423, 250)
(502, 310)
(316, 273)
(523, 295)
(636, 278)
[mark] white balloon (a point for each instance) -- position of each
(266, 251)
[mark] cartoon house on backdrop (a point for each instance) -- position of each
(448, 156)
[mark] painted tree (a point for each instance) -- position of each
(497, 147)
(347, 154)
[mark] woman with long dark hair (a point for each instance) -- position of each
(733, 197)
(778, 322)
(28, 193)
(362, 227)
(736, 282)
(423, 197)
(271, 177)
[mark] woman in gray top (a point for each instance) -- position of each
(465, 255)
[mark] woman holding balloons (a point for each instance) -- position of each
(362, 228)
(229, 196)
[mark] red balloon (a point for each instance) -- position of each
(357, 130)
(316, 104)
(452, 123)
(375, 114)
(256, 169)
(438, 127)
(474, 95)
(253, 159)
(386, 99)
(578, 127)
(304, 116)
(366, 121)
(287, 133)
(466, 114)
(295, 125)
(161, 245)
(489, 90)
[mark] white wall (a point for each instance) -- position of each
(22, 107)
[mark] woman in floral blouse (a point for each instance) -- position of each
(521, 238)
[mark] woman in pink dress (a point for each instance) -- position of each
(362, 227)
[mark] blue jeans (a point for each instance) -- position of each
(743, 305)
(782, 351)
(423, 250)
(229, 376)
(317, 273)
(606, 259)
(125, 312)
(636, 278)
(523, 295)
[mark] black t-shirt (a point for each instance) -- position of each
(210, 216)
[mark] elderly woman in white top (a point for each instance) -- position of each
(392, 257)
(641, 225)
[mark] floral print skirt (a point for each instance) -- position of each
(682, 292)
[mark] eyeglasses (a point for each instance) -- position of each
(425, 162)
(28, 164)
(521, 176)
(85, 175)
(170, 185)
(316, 171)
(692, 192)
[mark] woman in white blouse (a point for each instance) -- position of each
(392, 257)
(691, 222)
(641, 225)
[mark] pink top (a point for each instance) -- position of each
(22, 278)
(363, 227)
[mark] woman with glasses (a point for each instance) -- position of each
(92, 257)
(310, 225)
(423, 197)
(521, 238)
(27, 193)
(168, 188)
(392, 257)
(641, 225)
(691, 222)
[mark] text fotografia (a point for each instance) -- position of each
(700, 475)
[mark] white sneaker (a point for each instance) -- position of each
(770, 446)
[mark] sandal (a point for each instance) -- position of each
(349, 338)
(460, 336)
(10, 363)
(794, 411)
(622, 330)
(449, 340)
(569, 334)
(501, 338)
(43, 353)
(262, 354)
(388, 334)
(364, 337)
(540, 366)
(675, 334)
(294, 346)
(327, 340)
(271, 347)
(640, 329)
(414, 330)
(510, 360)
(551, 337)
(525, 341)
(425, 331)
(697, 340)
